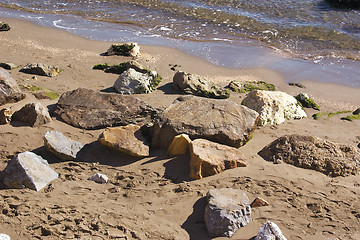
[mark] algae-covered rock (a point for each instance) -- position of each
(4, 26)
(126, 49)
(194, 84)
(40, 92)
(306, 101)
(248, 86)
(355, 116)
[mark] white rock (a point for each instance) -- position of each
(4, 236)
(62, 146)
(274, 107)
(270, 231)
(99, 178)
(131, 81)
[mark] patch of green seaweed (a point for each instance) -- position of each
(45, 91)
(123, 49)
(319, 115)
(4, 27)
(307, 102)
(250, 86)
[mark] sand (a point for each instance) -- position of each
(153, 198)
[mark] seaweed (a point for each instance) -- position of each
(41, 93)
(123, 49)
(307, 102)
(101, 66)
(250, 86)
(319, 115)
(4, 27)
(351, 117)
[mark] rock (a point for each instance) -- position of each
(227, 210)
(4, 236)
(306, 101)
(209, 158)
(5, 116)
(85, 108)
(126, 49)
(193, 84)
(99, 178)
(33, 114)
(356, 112)
(219, 121)
(270, 231)
(313, 153)
(248, 86)
(41, 69)
(28, 170)
(9, 90)
(126, 139)
(62, 146)
(179, 145)
(8, 66)
(259, 202)
(273, 107)
(134, 82)
(4, 26)
(299, 85)
(355, 4)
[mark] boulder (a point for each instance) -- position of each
(5, 116)
(274, 107)
(4, 26)
(134, 82)
(248, 86)
(219, 121)
(28, 170)
(259, 202)
(209, 158)
(62, 146)
(270, 231)
(313, 153)
(126, 49)
(227, 210)
(126, 139)
(99, 178)
(9, 90)
(41, 69)
(8, 66)
(179, 145)
(33, 114)
(194, 84)
(87, 109)
(306, 101)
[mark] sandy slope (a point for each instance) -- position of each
(153, 198)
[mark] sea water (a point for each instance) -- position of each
(301, 39)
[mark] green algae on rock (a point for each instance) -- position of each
(319, 115)
(306, 101)
(248, 86)
(4, 26)
(40, 93)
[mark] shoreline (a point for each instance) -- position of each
(305, 204)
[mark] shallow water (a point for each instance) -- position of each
(229, 33)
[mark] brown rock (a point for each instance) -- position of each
(33, 114)
(220, 121)
(9, 90)
(5, 116)
(313, 153)
(85, 108)
(41, 69)
(259, 202)
(179, 145)
(127, 139)
(209, 158)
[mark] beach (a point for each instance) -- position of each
(156, 199)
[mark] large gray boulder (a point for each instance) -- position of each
(313, 153)
(88, 109)
(33, 114)
(41, 69)
(62, 146)
(227, 210)
(9, 90)
(134, 82)
(28, 170)
(220, 121)
(274, 107)
(193, 84)
(270, 231)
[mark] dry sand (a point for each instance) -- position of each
(153, 198)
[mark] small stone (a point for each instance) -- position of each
(62, 146)
(4, 236)
(270, 231)
(99, 178)
(4, 26)
(259, 202)
(8, 66)
(179, 145)
(356, 112)
(5, 116)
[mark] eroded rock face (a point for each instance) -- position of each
(28, 170)
(227, 210)
(127, 139)
(9, 90)
(313, 153)
(219, 121)
(85, 108)
(41, 69)
(62, 146)
(194, 84)
(209, 158)
(270, 231)
(274, 107)
(33, 114)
